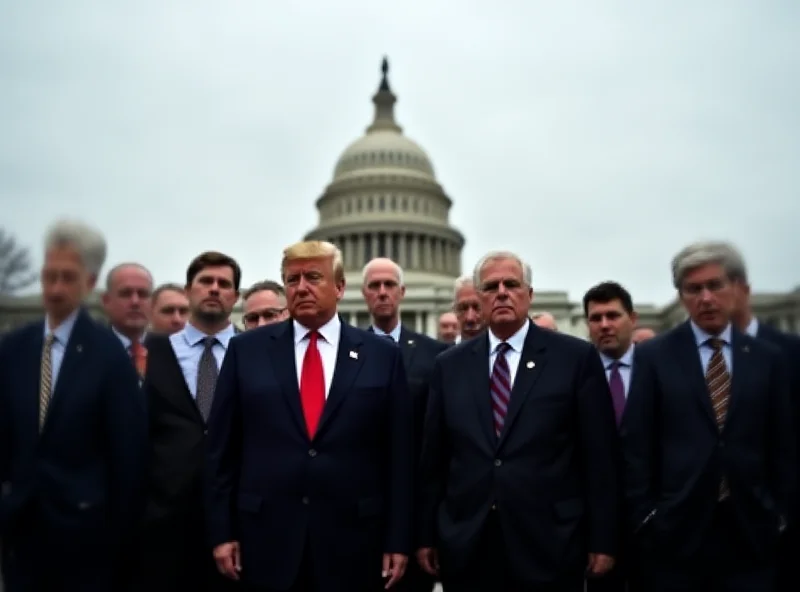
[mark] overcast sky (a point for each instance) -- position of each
(594, 138)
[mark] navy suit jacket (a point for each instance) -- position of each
(343, 497)
(676, 456)
(552, 476)
(81, 478)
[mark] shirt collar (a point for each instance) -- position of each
(701, 337)
(329, 331)
(125, 341)
(752, 327)
(193, 335)
(625, 360)
(516, 341)
(394, 333)
(64, 330)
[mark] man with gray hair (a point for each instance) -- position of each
(264, 303)
(707, 439)
(467, 307)
(519, 471)
(72, 433)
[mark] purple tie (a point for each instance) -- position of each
(500, 387)
(617, 391)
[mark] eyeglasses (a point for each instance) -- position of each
(268, 314)
(171, 310)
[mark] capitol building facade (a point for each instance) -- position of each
(384, 201)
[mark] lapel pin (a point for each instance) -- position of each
(746, 348)
(410, 342)
(530, 364)
(354, 355)
(79, 348)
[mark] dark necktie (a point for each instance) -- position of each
(500, 387)
(207, 372)
(312, 385)
(718, 380)
(390, 338)
(617, 390)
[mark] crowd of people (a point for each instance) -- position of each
(168, 449)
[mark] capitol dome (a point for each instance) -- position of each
(384, 201)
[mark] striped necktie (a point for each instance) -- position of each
(500, 387)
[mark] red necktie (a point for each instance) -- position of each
(139, 355)
(312, 385)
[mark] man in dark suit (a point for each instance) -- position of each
(72, 434)
(383, 290)
(789, 345)
(707, 441)
(310, 445)
(182, 369)
(519, 485)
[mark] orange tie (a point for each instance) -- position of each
(139, 355)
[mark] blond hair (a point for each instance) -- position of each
(314, 250)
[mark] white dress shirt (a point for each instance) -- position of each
(327, 344)
(513, 355)
(752, 327)
(394, 333)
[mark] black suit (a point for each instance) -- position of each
(324, 508)
(676, 458)
(790, 546)
(72, 493)
(419, 353)
(173, 553)
(546, 492)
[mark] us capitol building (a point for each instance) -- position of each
(385, 200)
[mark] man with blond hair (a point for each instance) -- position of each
(310, 445)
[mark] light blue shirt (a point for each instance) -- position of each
(188, 347)
(394, 333)
(625, 367)
(701, 338)
(61, 336)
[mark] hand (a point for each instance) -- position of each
(394, 566)
(428, 560)
(599, 564)
(228, 559)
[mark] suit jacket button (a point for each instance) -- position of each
(312, 453)
(306, 501)
(498, 462)
(205, 432)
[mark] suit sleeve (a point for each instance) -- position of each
(126, 437)
(639, 434)
(401, 463)
(433, 464)
(223, 450)
(601, 453)
(782, 443)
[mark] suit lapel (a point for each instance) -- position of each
(689, 357)
(282, 354)
(408, 346)
(740, 373)
(175, 380)
(74, 352)
(531, 363)
(476, 375)
(32, 375)
(348, 364)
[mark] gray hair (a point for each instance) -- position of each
(708, 253)
(398, 271)
(86, 240)
(527, 275)
(462, 282)
(121, 266)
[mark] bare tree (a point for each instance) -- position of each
(15, 265)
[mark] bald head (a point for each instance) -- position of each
(545, 320)
(383, 291)
(448, 327)
(642, 334)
